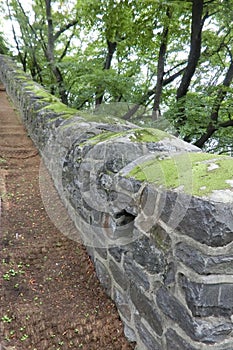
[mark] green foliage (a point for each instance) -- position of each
(82, 33)
(3, 46)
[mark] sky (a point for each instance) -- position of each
(7, 25)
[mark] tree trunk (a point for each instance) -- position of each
(195, 48)
(107, 65)
(160, 68)
(213, 124)
(50, 54)
(193, 58)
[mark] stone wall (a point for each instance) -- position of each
(155, 214)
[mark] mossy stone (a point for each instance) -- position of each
(197, 173)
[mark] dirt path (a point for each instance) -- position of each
(50, 298)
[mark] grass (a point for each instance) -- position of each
(198, 173)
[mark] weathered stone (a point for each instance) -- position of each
(148, 339)
(122, 302)
(104, 276)
(202, 263)
(102, 252)
(170, 275)
(176, 342)
(198, 330)
(208, 299)
(146, 254)
(117, 252)
(146, 308)
(173, 308)
(130, 185)
(135, 273)
(92, 168)
(121, 201)
(160, 238)
(118, 274)
(197, 224)
(148, 200)
(129, 333)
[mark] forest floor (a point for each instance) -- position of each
(50, 297)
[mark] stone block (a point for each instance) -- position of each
(208, 299)
(207, 222)
(104, 276)
(129, 185)
(117, 252)
(148, 339)
(148, 200)
(203, 263)
(103, 253)
(160, 238)
(122, 303)
(176, 342)
(147, 255)
(129, 333)
(176, 311)
(118, 274)
(135, 273)
(146, 308)
(197, 329)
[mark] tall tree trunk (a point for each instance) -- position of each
(50, 54)
(22, 58)
(195, 48)
(160, 67)
(213, 124)
(107, 65)
(193, 58)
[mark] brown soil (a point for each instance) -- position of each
(50, 298)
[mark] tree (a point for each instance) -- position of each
(3, 46)
(163, 60)
(38, 41)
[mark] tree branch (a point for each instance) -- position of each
(107, 65)
(214, 125)
(62, 30)
(150, 93)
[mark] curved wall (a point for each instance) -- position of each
(155, 214)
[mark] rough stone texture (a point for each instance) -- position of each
(148, 339)
(197, 223)
(208, 299)
(144, 307)
(175, 342)
(164, 255)
(135, 273)
(118, 274)
(202, 263)
(104, 276)
(122, 301)
(203, 331)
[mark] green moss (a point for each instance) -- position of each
(54, 104)
(148, 135)
(60, 108)
(101, 118)
(198, 173)
(134, 135)
(104, 136)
